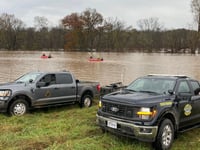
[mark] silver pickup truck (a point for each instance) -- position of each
(43, 89)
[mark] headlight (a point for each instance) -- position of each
(100, 104)
(146, 113)
(5, 93)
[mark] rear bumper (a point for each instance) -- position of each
(142, 133)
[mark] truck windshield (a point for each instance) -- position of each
(29, 77)
(152, 85)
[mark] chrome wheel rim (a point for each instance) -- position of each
(19, 109)
(87, 102)
(167, 135)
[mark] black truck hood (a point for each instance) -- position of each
(136, 97)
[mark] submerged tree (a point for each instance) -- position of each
(42, 33)
(150, 33)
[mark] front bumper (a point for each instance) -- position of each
(3, 106)
(143, 133)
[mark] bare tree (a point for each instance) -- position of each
(42, 34)
(92, 20)
(195, 6)
(40, 22)
(10, 27)
(149, 37)
(151, 24)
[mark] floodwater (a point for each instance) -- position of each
(116, 67)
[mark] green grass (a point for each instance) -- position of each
(72, 128)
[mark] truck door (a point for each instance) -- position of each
(66, 87)
(195, 100)
(185, 106)
(45, 93)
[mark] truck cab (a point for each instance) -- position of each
(54, 88)
(152, 108)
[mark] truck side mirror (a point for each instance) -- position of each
(40, 84)
(77, 81)
(170, 92)
(197, 91)
(31, 80)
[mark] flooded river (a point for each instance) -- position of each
(124, 67)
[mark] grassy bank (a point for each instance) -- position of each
(72, 128)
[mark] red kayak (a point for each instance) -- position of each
(44, 57)
(95, 59)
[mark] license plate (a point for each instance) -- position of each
(112, 124)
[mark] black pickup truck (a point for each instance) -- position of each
(153, 108)
(42, 89)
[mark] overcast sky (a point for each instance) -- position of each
(171, 13)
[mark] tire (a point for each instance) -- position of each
(165, 136)
(86, 101)
(103, 130)
(18, 108)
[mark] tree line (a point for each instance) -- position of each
(15, 36)
(88, 30)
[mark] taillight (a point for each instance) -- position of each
(98, 87)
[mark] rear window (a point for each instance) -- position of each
(183, 87)
(64, 79)
(195, 85)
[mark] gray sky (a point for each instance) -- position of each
(171, 13)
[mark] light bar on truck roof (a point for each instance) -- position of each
(169, 75)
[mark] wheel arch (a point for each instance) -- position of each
(171, 117)
(87, 92)
(22, 96)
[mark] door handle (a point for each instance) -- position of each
(73, 87)
(56, 88)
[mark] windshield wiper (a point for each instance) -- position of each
(148, 92)
(130, 90)
(19, 81)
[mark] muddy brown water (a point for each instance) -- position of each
(123, 67)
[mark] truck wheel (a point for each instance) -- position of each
(165, 135)
(103, 130)
(86, 101)
(18, 108)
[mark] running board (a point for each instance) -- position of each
(189, 128)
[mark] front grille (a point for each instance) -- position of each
(126, 111)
